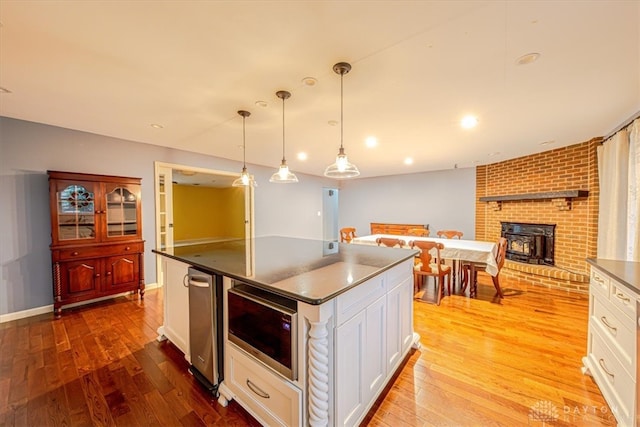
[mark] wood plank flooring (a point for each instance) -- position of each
(101, 365)
(487, 361)
(483, 362)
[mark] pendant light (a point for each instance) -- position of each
(283, 175)
(341, 168)
(245, 179)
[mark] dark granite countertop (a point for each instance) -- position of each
(311, 271)
(625, 272)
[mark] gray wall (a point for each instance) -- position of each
(28, 150)
(442, 199)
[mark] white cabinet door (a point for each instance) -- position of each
(406, 314)
(361, 368)
(374, 363)
(399, 322)
(176, 304)
(349, 398)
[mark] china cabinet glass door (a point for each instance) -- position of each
(76, 213)
(122, 212)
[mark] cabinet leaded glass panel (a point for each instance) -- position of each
(76, 213)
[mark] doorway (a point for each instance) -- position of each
(187, 212)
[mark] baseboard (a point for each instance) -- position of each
(17, 315)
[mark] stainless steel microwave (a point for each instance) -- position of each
(264, 325)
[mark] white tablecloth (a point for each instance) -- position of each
(466, 250)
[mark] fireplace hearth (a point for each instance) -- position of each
(529, 243)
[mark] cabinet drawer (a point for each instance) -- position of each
(272, 399)
(617, 330)
(623, 300)
(599, 282)
(357, 299)
(99, 251)
(398, 274)
(616, 385)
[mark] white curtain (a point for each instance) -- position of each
(619, 175)
(633, 221)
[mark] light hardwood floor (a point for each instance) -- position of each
(482, 362)
(486, 361)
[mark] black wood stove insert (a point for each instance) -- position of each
(529, 243)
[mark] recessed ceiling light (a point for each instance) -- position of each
(469, 122)
(4, 90)
(302, 156)
(156, 126)
(332, 123)
(261, 104)
(495, 153)
(309, 81)
(408, 161)
(371, 141)
(547, 142)
(528, 58)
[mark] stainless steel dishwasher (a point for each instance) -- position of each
(205, 320)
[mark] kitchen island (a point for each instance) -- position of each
(353, 324)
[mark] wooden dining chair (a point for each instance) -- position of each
(430, 266)
(347, 234)
(418, 232)
(389, 242)
(453, 234)
(449, 234)
(501, 255)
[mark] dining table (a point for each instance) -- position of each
(475, 252)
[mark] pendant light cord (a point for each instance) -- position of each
(341, 107)
(244, 145)
(283, 160)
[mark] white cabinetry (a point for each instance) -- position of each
(176, 304)
(399, 320)
(373, 334)
(612, 348)
(348, 349)
(372, 343)
(360, 364)
(273, 400)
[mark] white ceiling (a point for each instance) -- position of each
(116, 67)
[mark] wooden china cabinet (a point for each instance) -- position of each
(96, 236)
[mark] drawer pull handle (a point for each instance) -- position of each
(127, 248)
(623, 297)
(254, 388)
(606, 323)
(74, 253)
(604, 368)
(599, 280)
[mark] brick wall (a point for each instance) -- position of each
(568, 168)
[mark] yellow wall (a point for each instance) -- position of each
(205, 212)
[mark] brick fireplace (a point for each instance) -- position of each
(557, 187)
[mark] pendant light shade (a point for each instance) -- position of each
(245, 179)
(341, 168)
(283, 175)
